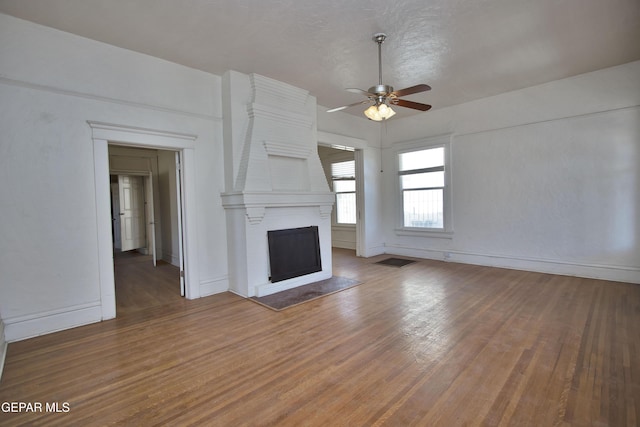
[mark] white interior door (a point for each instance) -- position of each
(179, 193)
(132, 215)
(151, 226)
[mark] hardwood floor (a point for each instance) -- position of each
(430, 344)
(140, 285)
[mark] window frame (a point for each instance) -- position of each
(438, 142)
(354, 192)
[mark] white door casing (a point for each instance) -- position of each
(151, 216)
(179, 191)
(102, 134)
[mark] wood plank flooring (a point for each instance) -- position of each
(429, 344)
(140, 285)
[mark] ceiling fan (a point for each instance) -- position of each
(381, 96)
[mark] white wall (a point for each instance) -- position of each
(51, 83)
(545, 178)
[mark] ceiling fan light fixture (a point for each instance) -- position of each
(379, 112)
(380, 95)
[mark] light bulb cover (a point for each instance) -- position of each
(372, 113)
(390, 113)
(379, 112)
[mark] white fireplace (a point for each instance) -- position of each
(273, 176)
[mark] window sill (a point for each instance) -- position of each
(438, 234)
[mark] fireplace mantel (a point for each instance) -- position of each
(241, 199)
(256, 203)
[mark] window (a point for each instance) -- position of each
(422, 185)
(343, 176)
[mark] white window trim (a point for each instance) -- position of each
(335, 211)
(334, 215)
(425, 144)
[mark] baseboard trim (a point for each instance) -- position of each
(374, 251)
(344, 244)
(171, 259)
(24, 327)
(3, 348)
(214, 286)
(3, 355)
(236, 293)
(565, 268)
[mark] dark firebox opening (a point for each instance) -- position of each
(294, 252)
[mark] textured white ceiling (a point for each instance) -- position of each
(464, 49)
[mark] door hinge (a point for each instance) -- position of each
(182, 274)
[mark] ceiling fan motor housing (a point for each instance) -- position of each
(381, 90)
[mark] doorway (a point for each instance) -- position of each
(146, 205)
(104, 134)
(339, 166)
(330, 144)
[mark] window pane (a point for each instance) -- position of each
(343, 169)
(422, 180)
(346, 208)
(423, 208)
(344, 186)
(422, 159)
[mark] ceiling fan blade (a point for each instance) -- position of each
(411, 104)
(333, 110)
(360, 91)
(411, 90)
